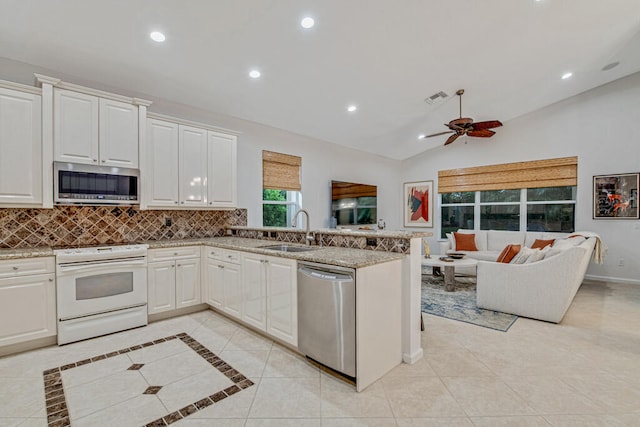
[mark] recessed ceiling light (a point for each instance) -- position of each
(565, 76)
(157, 36)
(422, 136)
(307, 22)
(351, 108)
(254, 74)
(610, 66)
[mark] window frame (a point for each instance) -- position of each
(523, 203)
(293, 203)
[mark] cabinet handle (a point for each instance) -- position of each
(182, 203)
(210, 203)
(173, 266)
(229, 256)
(95, 160)
(103, 161)
(221, 266)
(15, 268)
(51, 280)
(176, 202)
(179, 265)
(175, 254)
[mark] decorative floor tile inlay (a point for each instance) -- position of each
(56, 403)
(154, 389)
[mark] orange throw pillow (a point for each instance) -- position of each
(508, 253)
(541, 244)
(465, 241)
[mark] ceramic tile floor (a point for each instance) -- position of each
(583, 372)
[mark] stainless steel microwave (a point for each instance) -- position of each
(80, 184)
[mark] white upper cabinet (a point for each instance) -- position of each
(222, 170)
(118, 134)
(188, 166)
(161, 176)
(192, 153)
(20, 148)
(92, 130)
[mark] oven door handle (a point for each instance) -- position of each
(64, 269)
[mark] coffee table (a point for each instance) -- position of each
(449, 269)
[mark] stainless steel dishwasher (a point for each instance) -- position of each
(327, 315)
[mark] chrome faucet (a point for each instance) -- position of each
(308, 237)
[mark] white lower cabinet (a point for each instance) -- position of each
(223, 281)
(269, 289)
(27, 300)
(173, 278)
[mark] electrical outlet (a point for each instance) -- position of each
(621, 262)
(167, 222)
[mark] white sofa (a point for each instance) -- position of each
(491, 242)
(542, 289)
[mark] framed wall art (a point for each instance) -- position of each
(418, 204)
(615, 196)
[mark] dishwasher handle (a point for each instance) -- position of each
(325, 275)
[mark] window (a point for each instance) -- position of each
(281, 196)
(279, 207)
(533, 209)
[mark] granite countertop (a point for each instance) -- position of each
(9, 254)
(344, 257)
(398, 234)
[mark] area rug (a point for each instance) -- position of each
(460, 304)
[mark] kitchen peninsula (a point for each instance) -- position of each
(383, 278)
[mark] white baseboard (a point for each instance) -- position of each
(612, 279)
(410, 359)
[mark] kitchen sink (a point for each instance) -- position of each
(287, 248)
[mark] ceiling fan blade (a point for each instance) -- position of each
(438, 134)
(451, 139)
(481, 133)
(487, 125)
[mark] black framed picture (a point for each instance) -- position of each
(615, 196)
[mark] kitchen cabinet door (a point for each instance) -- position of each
(75, 127)
(188, 282)
(20, 148)
(161, 179)
(222, 170)
(215, 284)
(254, 291)
(27, 308)
(232, 290)
(161, 286)
(192, 168)
(118, 134)
(282, 299)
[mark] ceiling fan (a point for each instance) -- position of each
(466, 126)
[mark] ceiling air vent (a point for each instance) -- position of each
(436, 98)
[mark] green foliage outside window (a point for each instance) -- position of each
(274, 215)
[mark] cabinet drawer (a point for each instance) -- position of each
(27, 266)
(166, 254)
(223, 255)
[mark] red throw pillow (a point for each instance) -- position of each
(465, 241)
(541, 244)
(508, 253)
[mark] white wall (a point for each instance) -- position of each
(600, 126)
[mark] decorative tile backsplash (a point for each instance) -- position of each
(65, 226)
(383, 244)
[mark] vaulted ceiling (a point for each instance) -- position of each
(385, 57)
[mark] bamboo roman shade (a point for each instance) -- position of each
(281, 171)
(535, 174)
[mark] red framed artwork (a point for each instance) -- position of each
(418, 204)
